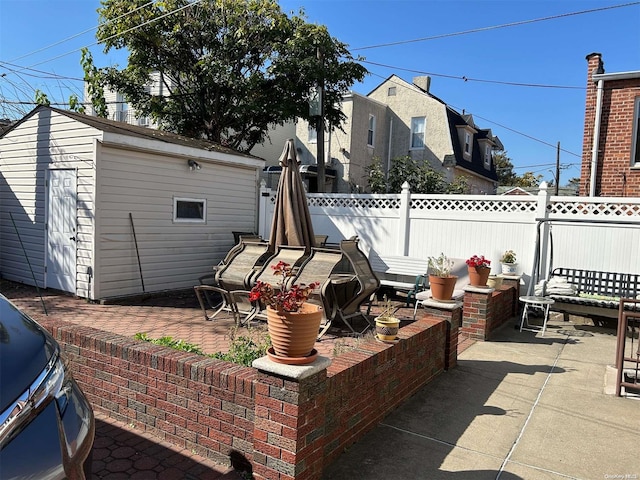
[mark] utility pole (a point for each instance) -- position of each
(558, 169)
(320, 125)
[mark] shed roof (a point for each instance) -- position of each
(122, 128)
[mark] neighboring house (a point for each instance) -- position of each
(397, 119)
(103, 209)
(120, 110)
(611, 142)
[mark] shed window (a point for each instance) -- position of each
(191, 210)
(635, 152)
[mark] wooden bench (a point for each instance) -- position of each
(406, 274)
(598, 293)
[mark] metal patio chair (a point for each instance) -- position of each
(241, 262)
(359, 291)
(321, 266)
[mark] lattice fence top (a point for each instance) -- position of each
(369, 201)
(595, 208)
(473, 205)
(627, 209)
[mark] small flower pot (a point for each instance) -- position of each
(494, 282)
(509, 268)
(387, 328)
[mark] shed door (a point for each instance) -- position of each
(61, 231)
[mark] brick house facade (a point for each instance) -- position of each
(612, 121)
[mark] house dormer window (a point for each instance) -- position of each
(371, 133)
(467, 144)
(417, 133)
(487, 157)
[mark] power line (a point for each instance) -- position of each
(495, 27)
(81, 33)
(191, 4)
(469, 79)
(46, 75)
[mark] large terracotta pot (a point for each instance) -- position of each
(478, 276)
(293, 334)
(442, 287)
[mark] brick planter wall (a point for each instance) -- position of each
(287, 429)
(483, 312)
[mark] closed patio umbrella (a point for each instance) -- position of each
(291, 218)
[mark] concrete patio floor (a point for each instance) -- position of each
(520, 406)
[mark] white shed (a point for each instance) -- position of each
(103, 209)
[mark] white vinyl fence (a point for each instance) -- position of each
(596, 233)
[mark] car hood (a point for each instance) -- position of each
(25, 350)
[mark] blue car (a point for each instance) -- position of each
(47, 426)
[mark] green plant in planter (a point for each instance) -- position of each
(440, 266)
(387, 324)
(388, 308)
(508, 257)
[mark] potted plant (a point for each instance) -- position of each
(479, 270)
(441, 282)
(387, 325)
(292, 322)
(508, 262)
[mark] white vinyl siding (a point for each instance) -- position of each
(25, 155)
(137, 177)
(172, 254)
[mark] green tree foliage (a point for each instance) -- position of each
(528, 179)
(421, 176)
(41, 98)
(233, 67)
(376, 179)
(94, 88)
(574, 183)
(504, 168)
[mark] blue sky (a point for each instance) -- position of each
(529, 120)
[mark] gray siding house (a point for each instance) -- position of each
(399, 118)
(103, 209)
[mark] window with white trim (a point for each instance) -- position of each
(467, 143)
(635, 152)
(487, 156)
(417, 132)
(371, 133)
(189, 210)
